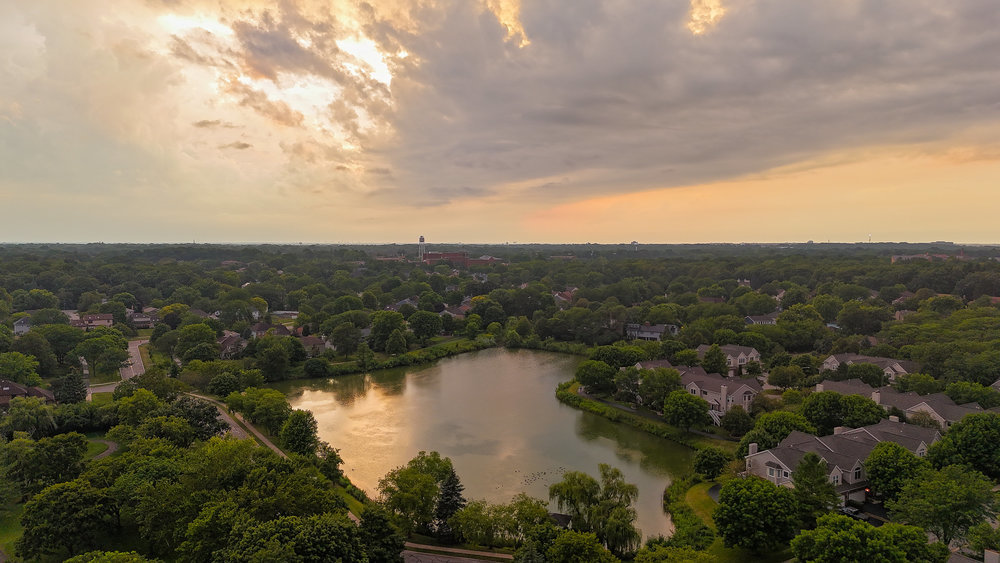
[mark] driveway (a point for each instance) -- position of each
(419, 557)
(133, 366)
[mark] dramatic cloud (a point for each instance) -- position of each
(489, 119)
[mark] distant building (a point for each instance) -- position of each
(722, 393)
(10, 390)
(736, 356)
(142, 320)
(889, 366)
(635, 331)
(92, 321)
(22, 326)
(768, 319)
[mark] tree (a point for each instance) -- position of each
(685, 410)
(104, 351)
(889, 467)
(201, 415)
(346, 338)
(786, 376)
(272, 357)
(946, 502)
(299, 433)
(383, 325)
(366, 358)
(756, 515)
(19, 368)
(382, 541)
(425, 325)
(715, 360)
(736, 421)
(35, 465)
(824, 410)
(973, 441)
(839, 538)
(450, 501)
(869, 373)
(604, 508)
(70, 389)
(656, 384)
(410, 496)
(28, 414)
(64, 518)
(571, 546)
(62, 338)
(321, 537)
(396, 343)
(109, 557)
(596, 376)
(920, 383)
(34, 344)
(860, 411)
(710, 462)
(813, 490)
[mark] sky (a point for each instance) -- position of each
(660, 121)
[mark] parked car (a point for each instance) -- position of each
(853, 513)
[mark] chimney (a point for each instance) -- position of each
(839, 430)
(877, 397)
(819, 387)
(893, 418)
(753, 448)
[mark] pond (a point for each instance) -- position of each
(495, 414)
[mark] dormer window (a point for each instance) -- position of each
(835, 479)
(857, 473)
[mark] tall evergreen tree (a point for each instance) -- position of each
(813, 489)
(450, 501)
(70, 389)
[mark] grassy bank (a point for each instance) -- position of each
(567, 393)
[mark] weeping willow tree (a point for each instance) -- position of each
(605, 508)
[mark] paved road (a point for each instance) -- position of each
(456, 551)
(112, 448)
(134, 366)
(419, 557)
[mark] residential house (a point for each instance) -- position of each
(231, 345)
(721, 393)
(140, 319)
(635, 331)
(92, 321)
(10, 390)
(843, 452)
(736, 356)
(261, 329)
(891, 367)
(768, 319)
(22, 326)
(314, 345)
(939, 406)
(454, 312)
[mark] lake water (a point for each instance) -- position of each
(495, 414)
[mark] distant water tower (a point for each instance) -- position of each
(420, 249)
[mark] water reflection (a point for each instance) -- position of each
(495, 414)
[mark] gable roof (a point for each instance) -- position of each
(714, 382)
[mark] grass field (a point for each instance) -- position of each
(94, 448)
(101, 398)
(10, 526)
(104, 377)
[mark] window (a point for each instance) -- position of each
(694, 392)
(784, 474)
(704, 392)
(835, 479)
(743, 360)
(770, 472)
(857, 473)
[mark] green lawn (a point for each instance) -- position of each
(101, 398)
(143, 333)
(109, 377)
(94, 448)
(702, 504)
(10, 526)
(353, 504)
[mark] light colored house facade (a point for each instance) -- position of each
(635, 331)
(891, 367)
(721, 393)
(22, 326)
(736, 356)
(844, 453)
